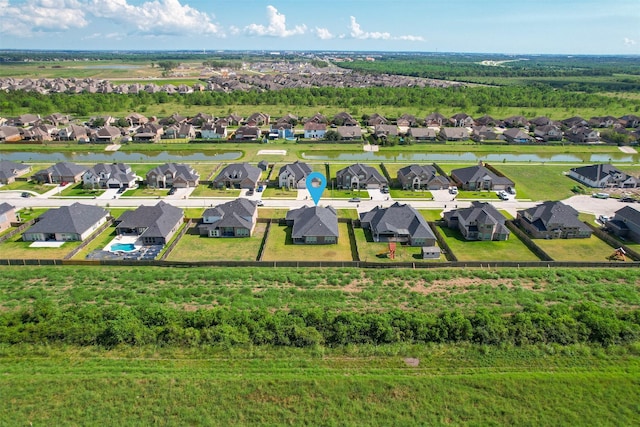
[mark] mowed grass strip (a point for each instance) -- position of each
(591, 249)
(193, 247)
(468, 250)
(280, 247)
(295, 390)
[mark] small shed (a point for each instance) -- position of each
(430, 252)
(263, 165)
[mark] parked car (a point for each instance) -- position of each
(172, 191)
(453, 190)
(601, 195)
(260, 188)
(627, 199)
(603, 219)
(355, 199)
(25, 194)
(511, 190)
(503, 195)
(384, 190)
(260, 203)
(250, 192)
(121, 190)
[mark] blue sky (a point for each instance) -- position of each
(488, 26)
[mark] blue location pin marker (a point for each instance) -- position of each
(316, 183)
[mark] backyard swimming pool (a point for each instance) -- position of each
(122, 247)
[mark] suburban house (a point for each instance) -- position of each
(454, 134)
(314, 130)
(360, 176)
(10, 134)
(416, 177)
(377, 119)
(517, 136)
(247, 133)
(106, 134)
(422, 134)
(516, 122)
(435, 119)
(313, 225)
(385, 131)
(136, 119)
(59, 173)
(399, 223)
(236, 218)
(294, 175)
(213, 131)
(549, 132)
(480, 177)
(258, 119)
(66, 223)
(180, 131)
(9, 171)
(281, 130)
(155, 225)
(317, 118)
(625, 223)
(73, 132)
(344, 119)
(582, 134)
(237, 175)
(150, 132)
(484, 133)
(407, 120)
(487, 120)
(553, 220)
(481, 221)
(109, 175)
(603, 175)
(172, 175)
(349, 133)
(461, 120)
(7, 216)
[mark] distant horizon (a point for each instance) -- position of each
(276, 52)
(504, 27)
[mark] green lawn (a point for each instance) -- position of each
(207, 191)
(78, 190)
(144, 191)
(477, 195)
(27, 186)
(379, 251)
(279, 247)
(193, 247)
(30, 213)
(279, 193)
(591, 249)
(465, 250)
(397, 193)
(431, 214)
(17, 249)
(451, 385)
(540, 182)
(98, 243)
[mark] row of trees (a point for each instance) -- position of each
(471, 100)
(159, 325)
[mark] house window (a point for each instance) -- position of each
(311, 239)
(330, 239)
(242, 232)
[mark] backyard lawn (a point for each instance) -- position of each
(371, 251)
(98, 243)
(15, 248)
(193, 247)
(465, 250)
(279, 247)
(591, 249)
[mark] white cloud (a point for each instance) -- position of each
(629, 42)
(277, 26)
(358, 33)
(323, 34)
(160, 17)
(37, 16)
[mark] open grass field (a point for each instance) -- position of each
(193, 247)
(509, 250)
(280, 247)
(591, 249)
(449, 386)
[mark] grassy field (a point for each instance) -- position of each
(508, 250)
(591, 249)
(449, 386)
(280, 247)
(192, 247)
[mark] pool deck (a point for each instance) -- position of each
(124, 239)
